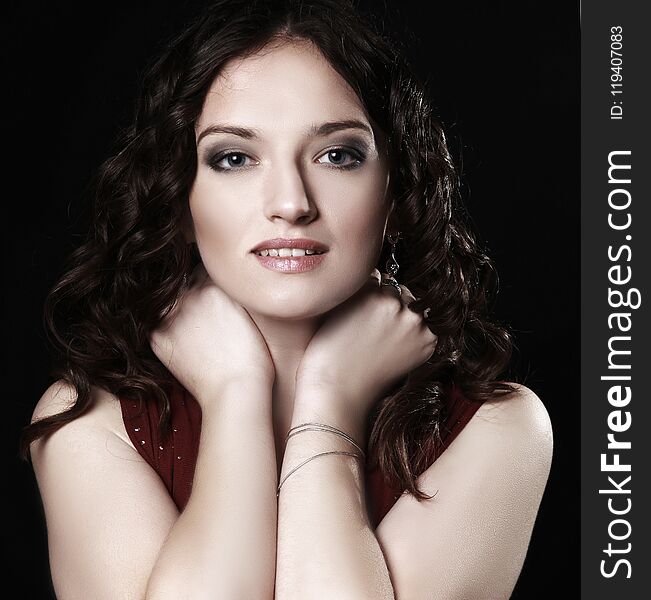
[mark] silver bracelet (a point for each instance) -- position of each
(322, 427)
(307, 460)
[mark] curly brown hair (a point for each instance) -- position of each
(119, 284)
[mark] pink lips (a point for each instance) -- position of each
(303, 243)
(291, 264)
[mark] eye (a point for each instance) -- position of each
(229, 161)
(341, 158)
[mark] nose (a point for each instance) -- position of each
(288, 196)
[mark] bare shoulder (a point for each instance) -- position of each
(56, 399)
(97, 490)
(522, 412)
(471, 538)
(103, 418)
(61, 395)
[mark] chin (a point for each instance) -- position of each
(297, 302)
(291, 311)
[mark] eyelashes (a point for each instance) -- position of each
(357, 156)
(233, 160)
(215, 160)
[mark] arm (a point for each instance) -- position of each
(470, 541)
(225, 540)
(113, 530)
(326, 546)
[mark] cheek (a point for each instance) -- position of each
(352, 209)
(361, 218)
(216, 222)
(361, 236)
(216, 211)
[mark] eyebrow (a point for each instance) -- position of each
(314, 131)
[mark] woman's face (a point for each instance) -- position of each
(285, 150)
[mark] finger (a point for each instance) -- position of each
(404, 293)
(390, 289)
(373, 280)
(407, 296)
(385, 277)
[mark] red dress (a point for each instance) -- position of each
(174, 459)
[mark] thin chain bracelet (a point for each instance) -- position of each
(322, 427)
(307, 460)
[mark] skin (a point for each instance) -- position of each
(263, 351)
(286, 184)
(319, 326)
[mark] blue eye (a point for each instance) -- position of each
(338, 156)
(234, 160)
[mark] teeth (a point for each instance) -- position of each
(287, 252)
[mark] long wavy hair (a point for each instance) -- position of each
(119, 284)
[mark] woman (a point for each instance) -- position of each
(241, 395)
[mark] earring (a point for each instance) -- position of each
(392, 265)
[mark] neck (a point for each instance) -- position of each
(287, 341)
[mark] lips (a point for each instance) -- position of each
(291, 264)
(304, 243)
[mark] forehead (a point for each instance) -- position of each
(279, 87)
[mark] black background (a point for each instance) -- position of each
(504, 78)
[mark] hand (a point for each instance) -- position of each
(364, 347)
(208, 341)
